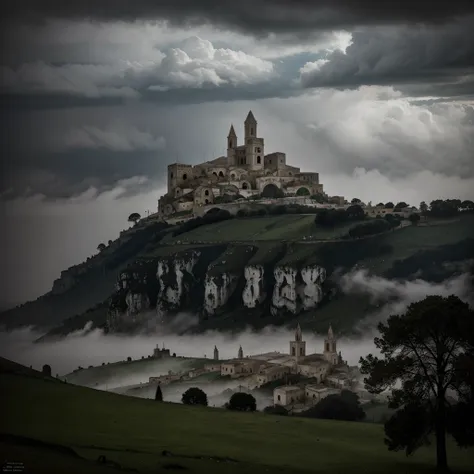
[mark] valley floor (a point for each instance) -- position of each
(136, 432)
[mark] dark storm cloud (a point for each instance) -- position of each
(441, 56)
(258, 18)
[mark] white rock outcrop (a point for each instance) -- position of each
(312, 291)
(253, 293)
(173, 293)
(285, 291)
(136, 303)
(217, 291)
(295, 290)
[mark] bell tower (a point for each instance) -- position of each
(254, 147)
(330, 348)
(240, 354)
(216, 353)
(298, 346)
(231, 146)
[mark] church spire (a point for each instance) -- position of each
(232, 132)
(298, 333)
(216, 353)
(240, 354)
(330, 332)
(250, 117)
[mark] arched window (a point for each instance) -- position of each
(245, 185)
(259, 160)
(206, 192)
(185, 176)
(232, 176)
(293, 351)
(171, 174)
(214, 173)
(279, 398)
(230, 143)
(221, 174)
(251, 131)
(207, 201)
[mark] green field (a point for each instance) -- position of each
(134, 432)
(283, 227)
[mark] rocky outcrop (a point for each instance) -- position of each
(210, 284)
(297, 289)
(175, 278)
(254, 291)
(217, 291)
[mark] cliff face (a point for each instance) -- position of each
(208, 282)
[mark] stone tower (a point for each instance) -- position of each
(298, 346)
(330, 348)
(254, 152)
(216, 353)
(240, 354)
(231, 146)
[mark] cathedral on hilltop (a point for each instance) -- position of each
(246, 171)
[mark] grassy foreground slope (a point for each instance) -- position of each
(135, 432)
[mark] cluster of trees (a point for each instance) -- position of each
(345, 406)
(427, 360)
(446, 207)
(332, 217)
(372, 227)
(240, 401)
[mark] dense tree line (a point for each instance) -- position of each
(332, 217)
(372, 227)
(447, 207)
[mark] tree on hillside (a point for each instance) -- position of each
(389, 205)
(423, 350)
(380, 204)
(242, 401)
(355, 212)
(46, 370)
(134, 217)
(101, 247)
(401, 205)
(345, 406)
(356, 201)
(467, 205)
(158, 394)
(414, 218)
(194, 396)
(110, 242)
(423, 206)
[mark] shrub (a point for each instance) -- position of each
(158, 394)
(46, 370)
(194, 396)
(372, 227)
(242, 402)
(276, 410)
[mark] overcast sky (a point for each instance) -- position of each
(98, 98)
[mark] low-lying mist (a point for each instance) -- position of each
(85, 347)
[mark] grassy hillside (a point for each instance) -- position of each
(282, 227)
(134, 432)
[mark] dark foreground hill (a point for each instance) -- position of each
(59, 427)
